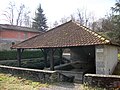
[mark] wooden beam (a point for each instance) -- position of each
(60, 53)
(45, 57)
(44, 51)
(19, 57)
(52, 59)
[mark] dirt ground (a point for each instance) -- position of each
(64, 86)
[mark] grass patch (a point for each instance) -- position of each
(117, 68)
(118, 56)
(92, 88)
(8, 82)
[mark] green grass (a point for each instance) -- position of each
(8, 82)
(118, 56)
(117, 68)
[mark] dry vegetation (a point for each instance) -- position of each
(117, 68)
(8, 82)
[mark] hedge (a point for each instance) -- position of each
(36, 63)
(12, 55)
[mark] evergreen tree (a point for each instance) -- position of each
(39, 22)
(116, 20)
(110, 25)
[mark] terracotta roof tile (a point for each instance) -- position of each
(66, 35)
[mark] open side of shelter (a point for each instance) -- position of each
(89, 51)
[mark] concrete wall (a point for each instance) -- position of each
(86, 53)
(106, 59)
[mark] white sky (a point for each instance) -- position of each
(57, 9)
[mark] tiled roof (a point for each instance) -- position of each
(14, 27)
(66, 35)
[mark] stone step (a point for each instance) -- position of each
(78, 76)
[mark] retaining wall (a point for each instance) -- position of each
(35, 74)
(104, 81)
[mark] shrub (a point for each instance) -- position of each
(11, 55)
(38, 63)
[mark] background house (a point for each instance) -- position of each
(10, 34)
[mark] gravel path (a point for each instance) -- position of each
(64, 86)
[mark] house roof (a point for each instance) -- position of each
(17, 28)
(66, 35)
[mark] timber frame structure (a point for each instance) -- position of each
(45, 53)
(67, 35)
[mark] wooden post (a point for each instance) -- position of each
(44, 51)
(60, 53)
(45, 57)
(51, 59)
(19, 57)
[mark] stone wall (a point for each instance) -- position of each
(110, 82)
(35, 74)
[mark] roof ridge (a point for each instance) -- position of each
(93, 33)
(15, 27)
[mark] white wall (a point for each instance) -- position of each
(106, 59)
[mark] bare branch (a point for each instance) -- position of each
(16, 15)
(20, 12)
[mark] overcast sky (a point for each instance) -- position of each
(57, 9)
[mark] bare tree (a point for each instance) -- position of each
(85, 18)
(27, 19)
(72, 17)
(55, 24)
(80, 17)
(17, 15)
(64, 19)
(9, 13)
(20, 12)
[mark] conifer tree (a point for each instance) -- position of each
(39, 22)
